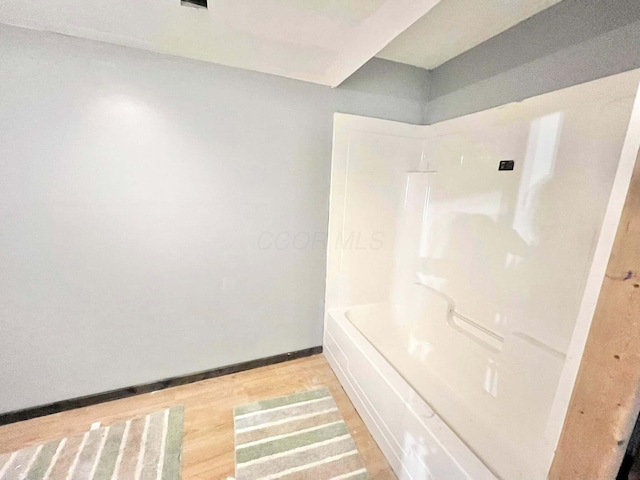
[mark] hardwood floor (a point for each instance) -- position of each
(208, 425)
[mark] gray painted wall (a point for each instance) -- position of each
(572, 42)
(141, 195)
(140, 199)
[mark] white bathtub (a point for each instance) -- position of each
(416, 442)
(423, 385)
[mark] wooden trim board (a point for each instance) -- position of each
(64, 405)
(606, 396)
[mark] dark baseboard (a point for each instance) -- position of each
(64, 405)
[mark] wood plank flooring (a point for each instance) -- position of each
(208, 426)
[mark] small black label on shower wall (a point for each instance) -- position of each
(506, 165)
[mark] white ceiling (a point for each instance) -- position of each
(321, 41)
(455, 26)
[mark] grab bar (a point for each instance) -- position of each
(482, 328)
(452, 311)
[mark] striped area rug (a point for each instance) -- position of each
(144, 448)
(298, 437)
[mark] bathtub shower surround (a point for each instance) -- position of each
(458, 339)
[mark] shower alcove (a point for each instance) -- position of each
(459, 291)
